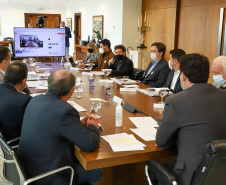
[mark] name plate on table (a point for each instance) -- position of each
(116, 99)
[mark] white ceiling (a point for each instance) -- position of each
(39, 2)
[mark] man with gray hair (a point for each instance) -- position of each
(219, 72)
(51, 128)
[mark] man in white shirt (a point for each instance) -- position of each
(5, 58)
(219, 72)
(173, 79)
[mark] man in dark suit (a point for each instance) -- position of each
(191, 118)
(120, 64)
(13, 101)
(67, 36)
(5, 58)
(51, 128)
(173, 79)
(157, 70)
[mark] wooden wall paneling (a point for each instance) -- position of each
(153, 5)
(163, 22)
(198, 30)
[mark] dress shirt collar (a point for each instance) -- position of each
(3, 72)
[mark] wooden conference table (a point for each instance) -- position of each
(118, 167)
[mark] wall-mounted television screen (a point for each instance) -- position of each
(39, 42)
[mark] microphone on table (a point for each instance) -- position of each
(133, 109)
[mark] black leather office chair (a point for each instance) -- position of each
(137, 73)
(14, 171)
(212, 169)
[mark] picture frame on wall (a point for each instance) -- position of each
(69, 23)
(98, 26)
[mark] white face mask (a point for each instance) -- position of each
(170, 65)
(153, 56)
(218, 79)
(101, 51)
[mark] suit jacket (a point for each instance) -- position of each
(125, 68)
(190, 121)
(177, 87)
(102, 61)
(158, 76)
(51, 128)
(1, 77)
(68, 33)
(12, 107)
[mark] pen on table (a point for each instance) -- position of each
(100, 126)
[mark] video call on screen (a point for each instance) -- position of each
(39, 42)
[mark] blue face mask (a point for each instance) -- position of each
(218, 79)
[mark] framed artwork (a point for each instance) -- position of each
(98, 26)
(69, 23)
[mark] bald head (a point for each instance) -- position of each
(219, 66)
(61, 82)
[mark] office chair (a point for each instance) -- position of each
(211, 170)
(14, 171)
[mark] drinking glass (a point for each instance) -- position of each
(126, 79)
(78, 87)
(46, 73)
(162, 94)
(95, 106)
(90, 66)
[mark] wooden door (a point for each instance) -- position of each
(77, 28)
(52, 20)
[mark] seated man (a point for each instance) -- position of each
(219, 72)
(106, 54)
(173, 80)
(13, 101)
(5, 58)
(51, 128)
(157, 70)
(190, 118)
(120, 64)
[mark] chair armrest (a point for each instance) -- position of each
(28, 181)
(159, 168)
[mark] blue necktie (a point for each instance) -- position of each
(153, 65)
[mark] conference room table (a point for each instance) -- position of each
(119, 168)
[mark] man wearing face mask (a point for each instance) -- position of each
(219, 72)
(5, 59)
(157, 70)
(191, 118)
(173, 79)
(67, 36)
(13, 100)
(106, 54)
(120, 64)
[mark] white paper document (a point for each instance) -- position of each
(104, 81)
(159, 105)
(144, 122)
(154, 91)
(77, 106)
(44, 74)
(128, 89)
(123, 142)
(36, 94)
(74, 68)
(87, 73)
(98, 73)
(146, 133)
(37, 84)
(131, 86)
(122, 81)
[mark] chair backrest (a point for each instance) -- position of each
(12, 167)
(137, 73)
(212, 169)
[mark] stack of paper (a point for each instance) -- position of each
(105, 80)
(77, 106)
(123, 142)
(145, 127)
(122, 81)
(154, 91)
(33, 76)
(98, 73)
(38, 84)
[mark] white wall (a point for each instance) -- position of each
(13, 15)
(112, 12)
(132, 9)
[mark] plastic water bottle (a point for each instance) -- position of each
(62, 61)
(91, 82)
(107, 90)
(118, 115)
